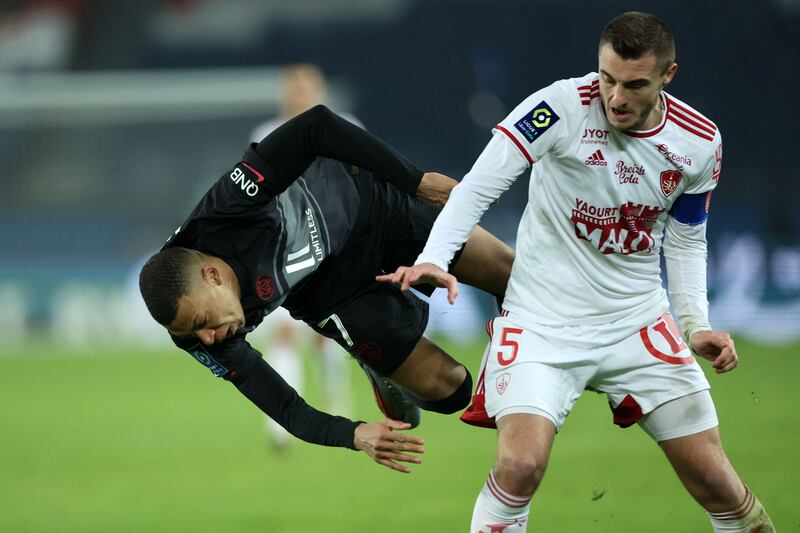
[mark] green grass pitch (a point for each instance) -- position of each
(148, 441)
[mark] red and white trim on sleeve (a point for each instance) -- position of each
(589, 92)
(516, 142)
(717, 166)
(690, 120)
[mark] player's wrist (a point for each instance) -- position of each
(691, 336)
(356, 434)
(433, 261)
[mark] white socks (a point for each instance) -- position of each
(749, 517)
(497, 511)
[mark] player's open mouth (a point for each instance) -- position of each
(619, 113)
(231, 332)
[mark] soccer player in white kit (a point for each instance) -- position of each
(620, 170)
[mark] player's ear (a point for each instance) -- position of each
(669, 75)
(212, 275)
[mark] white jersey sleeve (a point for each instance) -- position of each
(709, 178)
(685, 253)
(541, 123)
(493, 173)
(538, 125)
(685, 248)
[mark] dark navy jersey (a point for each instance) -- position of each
(286, 209)
(274, 242)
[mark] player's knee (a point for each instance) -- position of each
(519, 473)
(456, 401)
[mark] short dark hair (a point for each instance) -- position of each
(635, 34)
(164, 279)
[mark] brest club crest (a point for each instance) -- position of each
(502, 382)
(669, 181)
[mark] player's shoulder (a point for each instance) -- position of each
(690, 124)
(578, 93)
(573, 92)
(586, 88)
(562, 99)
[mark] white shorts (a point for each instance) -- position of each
(525, 371)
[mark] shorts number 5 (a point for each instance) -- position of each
(506, 341)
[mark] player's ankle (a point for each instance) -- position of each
(498, 509)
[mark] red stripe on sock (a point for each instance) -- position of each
(506, 499)
(741, 511)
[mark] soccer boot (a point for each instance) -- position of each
(393, 401)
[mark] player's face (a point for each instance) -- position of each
(211, 312)
(630, 89)
(303, 88)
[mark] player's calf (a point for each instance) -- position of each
(457, 401)
(749, 517)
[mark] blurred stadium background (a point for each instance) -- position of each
(115, 116)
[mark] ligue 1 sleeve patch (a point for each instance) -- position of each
(204, 358)
(538, 121)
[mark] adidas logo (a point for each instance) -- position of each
(596, 160)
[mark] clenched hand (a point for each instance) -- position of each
(717, 347)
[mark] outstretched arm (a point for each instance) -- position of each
(494, 172)
(240, 364)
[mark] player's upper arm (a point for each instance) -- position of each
(270, 166)
(319, 132)
(247, 186)
(539, 124)
(496, 168)
(691, 207)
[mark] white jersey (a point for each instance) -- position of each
(589, 240)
